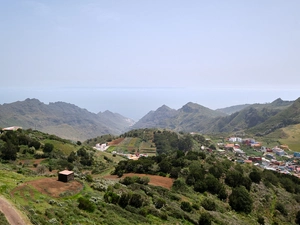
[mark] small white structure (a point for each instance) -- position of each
(13, 128)
(101, 147)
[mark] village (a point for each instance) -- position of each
(278, 158)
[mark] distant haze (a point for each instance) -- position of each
(134, 103)
(134, 56)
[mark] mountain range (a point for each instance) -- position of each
(71, 122)
(62, 119)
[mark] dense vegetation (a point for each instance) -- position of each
(207, 187)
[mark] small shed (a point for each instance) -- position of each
(66, 175)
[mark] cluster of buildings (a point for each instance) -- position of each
(287, 164)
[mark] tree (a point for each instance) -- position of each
(186, 206)
(205, 219)
(9, 151)
(72, 157)
(48, 148)
(255, 176)
(208, 204)
(86, 204)
(240, 200)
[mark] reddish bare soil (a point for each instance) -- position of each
(155, 180)
(51, 186)
(116, 141)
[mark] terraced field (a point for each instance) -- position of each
(132, 145)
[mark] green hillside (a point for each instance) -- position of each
(181, 184)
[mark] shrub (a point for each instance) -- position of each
(280, 207)
(159, 203)
(86, 204)
(240, 200)
(261, 220)
(205, 219)
(208, 204)
(111, 197)
(48, 147)
(186, 206)
(255, 176)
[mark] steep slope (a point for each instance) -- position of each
(59, 118)
(160, 118)
(247, 118)
(288, 116)
(191, 117)
(232, 109)
(115, 121)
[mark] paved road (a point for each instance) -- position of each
(13, 216)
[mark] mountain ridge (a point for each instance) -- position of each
(64, 119)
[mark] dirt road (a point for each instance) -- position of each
(13, 216)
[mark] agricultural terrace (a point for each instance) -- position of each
(132, 145)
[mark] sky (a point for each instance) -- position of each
(133, 56)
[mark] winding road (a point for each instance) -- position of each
(12, 214)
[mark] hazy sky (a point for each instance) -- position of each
(131, 57)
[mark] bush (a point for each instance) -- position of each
(159, 203)
(205, 219)
(48, 147)
(280, 207)
(208, 204)
(255, 176)
(86, 204)
(240, 200)
(186, 206)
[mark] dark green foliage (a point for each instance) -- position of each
(124, 199)
(208, 204)
(127, 180)
(297, 220)
(280, 207)
(186, 206)
(174, 173)
(48, 148)
(86, 204)
(216, 170)
(72, 157)
(200, 186)
(255, 176)
(179, 185)
(111, 197)
(136, 200)
(9, 151)
(261, 220)
(240, 200)
(159, 203)
(205, 219)
(213, 185)
(165, 166)
(270, 177)
(89, 178)
(34, 143)
(233, 178)
(222, 194)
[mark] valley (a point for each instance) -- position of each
(242, 168)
